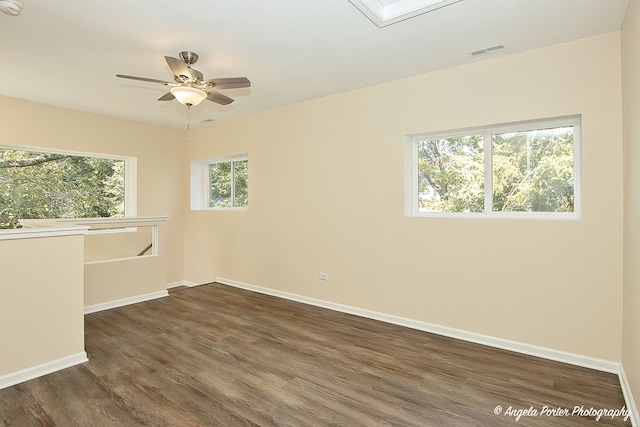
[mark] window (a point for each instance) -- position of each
(220, 183)
(228, 184)
(526, 170)
(46, 184)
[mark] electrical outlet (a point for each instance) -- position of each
(324, 276)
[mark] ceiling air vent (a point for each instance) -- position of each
(487, 50)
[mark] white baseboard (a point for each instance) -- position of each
(125, 301)
(628, 398)
(518, 347)
(182, 283)
(43, 369)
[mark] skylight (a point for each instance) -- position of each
(387, 12)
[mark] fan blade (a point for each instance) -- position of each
(144, 79)
(178, 68)
(228, 83)
(197, 75)
(219, 98)
(167, 97)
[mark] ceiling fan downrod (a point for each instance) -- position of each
(189, 58)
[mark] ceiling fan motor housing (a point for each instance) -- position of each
(189, 58)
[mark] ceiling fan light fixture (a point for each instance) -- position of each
(188, 95)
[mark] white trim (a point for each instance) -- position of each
(131, 186)
(563, 216)
(34, 228)
(240, 208)
(38, 149)
(225, 159)
(487, 146)
(116, 230)
(182, 283)
(43, 369)
(628, 398)
(518, 347)
(106, 221)
(124, 301)
(128, 258)
(33, 233)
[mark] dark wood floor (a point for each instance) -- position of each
(220, 356)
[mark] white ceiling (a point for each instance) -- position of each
(67, 52)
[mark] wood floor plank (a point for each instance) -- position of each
(220, 356)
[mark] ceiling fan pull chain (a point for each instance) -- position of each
(188, 123)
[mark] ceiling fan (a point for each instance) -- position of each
(190, 88)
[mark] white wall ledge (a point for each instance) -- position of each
(36, 228)
(89, 221)
(50, 230)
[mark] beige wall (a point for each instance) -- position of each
(158, 151)
(45, 277)
(631, 110)
(326, 194)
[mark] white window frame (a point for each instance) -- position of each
(130, 171)
(411, 170)
(200, 182)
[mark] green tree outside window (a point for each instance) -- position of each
(49, 185)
